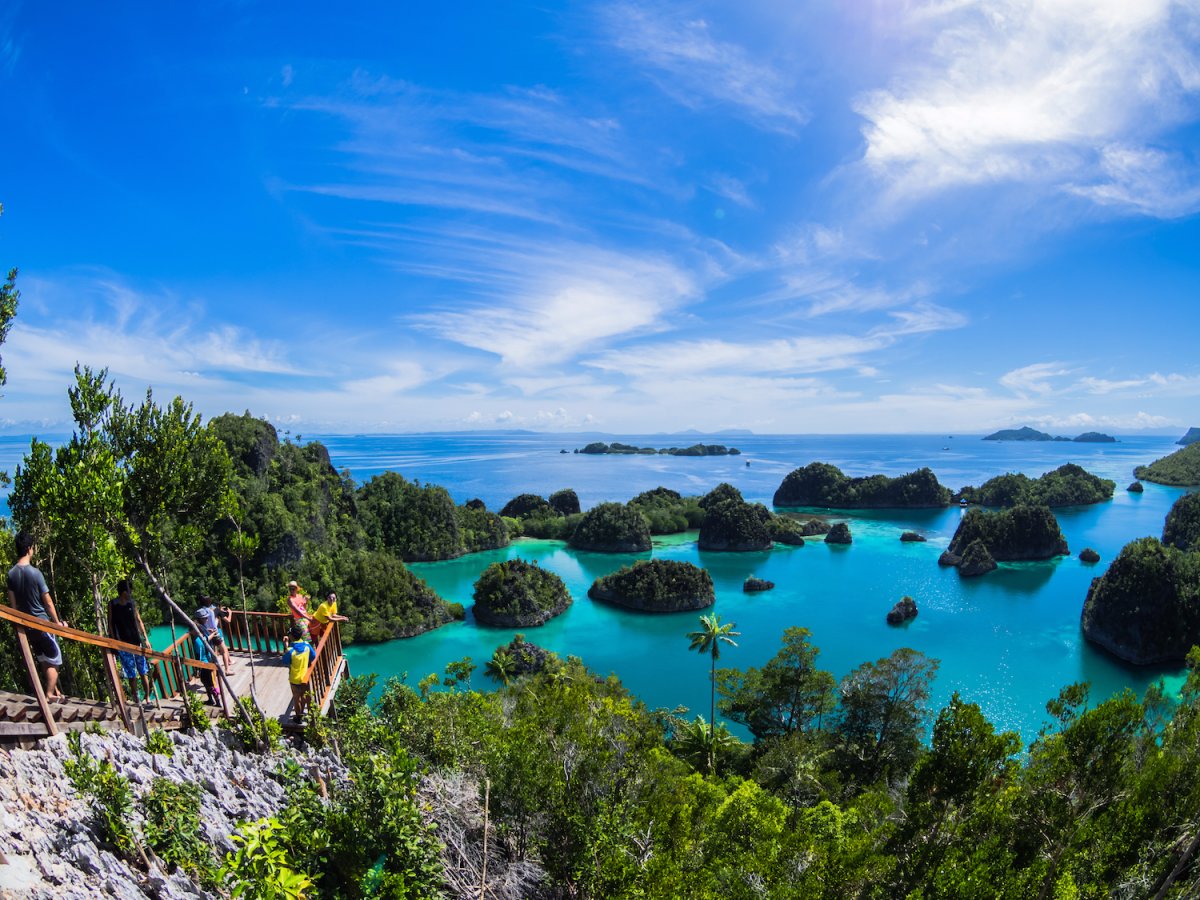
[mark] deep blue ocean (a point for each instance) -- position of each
(1008, 641)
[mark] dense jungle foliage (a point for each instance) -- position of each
(824, 485)
(656, 585)
(1068, 485)
(1181, 468)
(1182, 527)
(518, 594)
(837, 793)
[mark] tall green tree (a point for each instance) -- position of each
(787, 695)
(708, 639)
(882, 715)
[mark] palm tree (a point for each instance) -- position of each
(502, 666)
(695, 743)
(708, 640)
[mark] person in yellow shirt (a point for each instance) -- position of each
(323, 615)
(299, 656)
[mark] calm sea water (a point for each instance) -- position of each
(1008, 641)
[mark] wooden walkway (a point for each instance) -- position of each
(271, 685)
(21, 716)
(173, 673)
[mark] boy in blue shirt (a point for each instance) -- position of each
(299, 656)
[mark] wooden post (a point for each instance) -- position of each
(114, 679)
(31, 667)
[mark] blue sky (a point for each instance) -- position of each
(789, 217)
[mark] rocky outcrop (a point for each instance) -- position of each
(612, 528)
(735, 526)
(565, 502)
(656, 585)
(976, 560)
(1136, 488)
(1088, 555)
(1010, 535)
(519, 594)
(1146, 608)
(911, 537)
(754, 585)
(839, 534)
(524, 506)
(905, 610)
(54, 853)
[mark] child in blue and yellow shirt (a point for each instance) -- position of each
(299, 656)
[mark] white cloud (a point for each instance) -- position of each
(1057, 92)
(1034, 379)
(1135, 422)
(582, 298)
(1154, 384)
(696, 68)
(1146, 181)
(821, 353)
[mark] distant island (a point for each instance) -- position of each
(616, 447)
(1181, 468)
(1193, 435)
(1029, 434)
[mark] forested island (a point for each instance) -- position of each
(1146, 608)
(1192, 436)
(1068, 485)
(1026, 433)
(985, 537)
(656, 585)
(1181, 468)
(823, 485)
(518, 594)
(600, 448)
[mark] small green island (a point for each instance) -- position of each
(612, 528)
(825, 486)
(657, 586)
(1026, 433)
(518, 594)
(1179, 469)
(619, 449)
(1068, 485)
(1006, 535)
(1192, 436)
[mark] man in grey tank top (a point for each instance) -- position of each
(28, 593)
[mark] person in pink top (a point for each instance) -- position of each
(298, 606)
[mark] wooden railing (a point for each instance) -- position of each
(168, 669)
(259, 632)
(323, 674)
(265, 633)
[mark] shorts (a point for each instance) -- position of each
(216, 639)
(45, 648)
(299, 690)
(133, 664)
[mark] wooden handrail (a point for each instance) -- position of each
(16, 617)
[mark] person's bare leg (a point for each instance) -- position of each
(52, 691)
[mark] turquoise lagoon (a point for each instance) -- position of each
(1008, 641)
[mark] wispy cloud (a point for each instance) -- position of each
(574, 300)
(1034, 379)
(1050, 93)
(694, 66)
